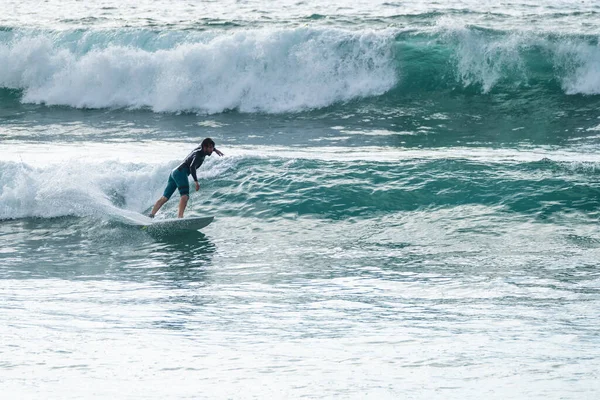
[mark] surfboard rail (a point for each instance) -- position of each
(168, 224)
(179, 224)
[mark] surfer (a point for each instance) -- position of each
(179, 176)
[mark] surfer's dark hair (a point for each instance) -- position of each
(208, 142)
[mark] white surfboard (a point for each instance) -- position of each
(179, 224)
(167, 225)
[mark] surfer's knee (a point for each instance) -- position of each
(184, 191)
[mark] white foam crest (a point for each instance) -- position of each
(76, 188)
(484, 60)
(31, 62)
(81, 186)
(252, 71)
(580, 63)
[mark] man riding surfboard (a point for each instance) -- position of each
(178, 179)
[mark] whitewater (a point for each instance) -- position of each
(407, 206)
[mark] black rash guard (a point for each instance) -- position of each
(193, 161)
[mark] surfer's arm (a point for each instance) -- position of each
(193, 168)
(197, 161)
(193, 172)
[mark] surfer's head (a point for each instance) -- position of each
(208, 145)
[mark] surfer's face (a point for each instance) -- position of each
(208, 149)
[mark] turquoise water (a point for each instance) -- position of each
(407, 206)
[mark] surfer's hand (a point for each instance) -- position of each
(218, 152)
(197, 186)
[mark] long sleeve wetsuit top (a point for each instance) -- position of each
(193, 161)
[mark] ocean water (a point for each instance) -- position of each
(407, 207)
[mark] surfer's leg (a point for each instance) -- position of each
(182, 204)
(171, 186)
(159, 203)
(184, 190)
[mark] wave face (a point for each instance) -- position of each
(286, 70)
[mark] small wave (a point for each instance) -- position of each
(253, 186)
